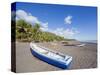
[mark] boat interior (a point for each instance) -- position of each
(49, 53)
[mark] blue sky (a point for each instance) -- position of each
(75, 22)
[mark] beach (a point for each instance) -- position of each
(83, 57)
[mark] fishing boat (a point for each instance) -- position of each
(51, 57)
(81, 45)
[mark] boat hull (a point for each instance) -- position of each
(50, 61)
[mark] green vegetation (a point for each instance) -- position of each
(27, 32)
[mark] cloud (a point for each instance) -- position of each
(21, 14)
(68, 20)
(44, 26)
(29, 18)
(65, 32)
(13, 15)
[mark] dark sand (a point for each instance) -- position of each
(83, 57)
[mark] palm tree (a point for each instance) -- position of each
(27, 32)
(36, 32)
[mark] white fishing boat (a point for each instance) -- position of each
(81, 45)
(50, 56)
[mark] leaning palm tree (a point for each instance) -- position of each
(36, 28)
(36, 31)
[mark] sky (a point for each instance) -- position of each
(74, 22)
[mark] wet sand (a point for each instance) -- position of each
(83, 57)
